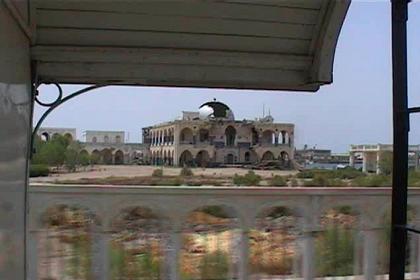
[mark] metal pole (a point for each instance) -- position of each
(401, 128)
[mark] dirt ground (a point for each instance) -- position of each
(103, 171)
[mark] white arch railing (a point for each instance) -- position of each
(176, 203)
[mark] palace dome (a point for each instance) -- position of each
(215, 109)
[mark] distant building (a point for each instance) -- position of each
(371, 156)
(211, 137)
(47, 133)
(308, 155)
(108, 147)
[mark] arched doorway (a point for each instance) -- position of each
(230, 133)
(267, 156)
(203, 159)
(119, 157)
(95, 157)
(230, 159)
(186, 159)
(68, 136)
(106, 155)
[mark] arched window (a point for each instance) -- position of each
(94, 139)
(106, 139)
(204, 135)
(186, 136)
(230, 133)
(117, 139)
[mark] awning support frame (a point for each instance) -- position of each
(400, 134)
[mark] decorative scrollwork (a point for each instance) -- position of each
(59, 97)
(52, 105)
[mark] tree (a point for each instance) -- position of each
(385, 163)
(72, 159)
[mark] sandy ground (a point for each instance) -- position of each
(103, 171)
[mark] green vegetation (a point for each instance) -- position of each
(385, 163)
(186, 172)
(348, 173)
(131, 265)
(249, 179)
(59, 151)
(322, 180)
(335, 251)
(38, 170)
(157, 173)
(372, 181)
(215, 266)
(278, 181)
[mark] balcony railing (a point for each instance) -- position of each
(106, 232)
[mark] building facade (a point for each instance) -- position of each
(104, 147)
(212, 137)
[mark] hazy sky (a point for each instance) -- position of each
(356, 108)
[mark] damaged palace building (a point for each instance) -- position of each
(212, 137)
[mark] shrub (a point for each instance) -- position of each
(372, 181)
(249, 179)
(157, 173)
(186, 172)
(38, 170)
(214, 266)
(322, 180)
(278, 181)
(306, 174)
(345, 173)
(294, 182)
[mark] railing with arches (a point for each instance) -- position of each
(93, 232)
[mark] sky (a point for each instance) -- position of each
(355, 109)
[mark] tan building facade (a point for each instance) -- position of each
(212, 137)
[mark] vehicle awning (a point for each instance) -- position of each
(261, 44)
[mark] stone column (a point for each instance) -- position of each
(100, 254)
(351, 159)
(413, 252)
(32, 254)
(244, 255)
(172, 254)
(370, 248)
(365, 162)
(378, 160)
(308, 255)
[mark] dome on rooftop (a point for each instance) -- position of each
(215, 109)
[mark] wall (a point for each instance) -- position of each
(15, 119)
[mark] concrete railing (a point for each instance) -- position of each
(172, 206)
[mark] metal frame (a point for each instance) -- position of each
(57, 102)
(401, 114)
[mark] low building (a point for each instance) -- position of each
(371, 156)
(212, 137)
(106, 147)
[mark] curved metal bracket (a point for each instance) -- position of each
(52, 105)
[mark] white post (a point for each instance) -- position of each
(308, 255)
(244, 255)
(378, 160)
(370, 253)
(351, 160)
(100, 254)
